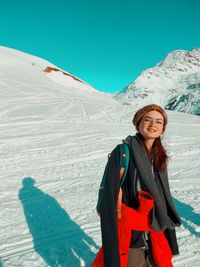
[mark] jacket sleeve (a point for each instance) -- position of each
(172, 240)
(109, 229)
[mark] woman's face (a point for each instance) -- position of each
(151, 125)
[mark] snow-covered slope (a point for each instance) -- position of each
(37, 89)
(54, 142)
(174, 83)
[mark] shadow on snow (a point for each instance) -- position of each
(188, 215)
(57, 239)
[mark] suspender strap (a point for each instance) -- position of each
(124, 161)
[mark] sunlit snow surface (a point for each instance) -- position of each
(54, 142)
(173, 83)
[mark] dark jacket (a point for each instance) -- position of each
(108, 209)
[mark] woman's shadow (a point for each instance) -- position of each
(57, 239)
(188, 216)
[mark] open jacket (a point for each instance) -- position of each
(129, 188)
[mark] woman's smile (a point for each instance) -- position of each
(151, 130)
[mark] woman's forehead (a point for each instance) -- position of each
(154, 114)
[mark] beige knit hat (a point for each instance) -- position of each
(141, 112)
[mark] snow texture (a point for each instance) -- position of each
(173, 83)
(54, 141)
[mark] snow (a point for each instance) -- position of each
(173, 83)
(67, 79)
(54, 141)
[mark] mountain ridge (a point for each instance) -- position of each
(173, 83)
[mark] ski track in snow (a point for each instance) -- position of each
(66, 159)
(54, 143)
(47, 163)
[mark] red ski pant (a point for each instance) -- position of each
(138, 220)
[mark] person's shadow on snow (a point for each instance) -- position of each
(57, 239)
(188, 215)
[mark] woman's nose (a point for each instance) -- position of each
(152, 123)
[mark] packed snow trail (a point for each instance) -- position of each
(54, 142)
(50, 176)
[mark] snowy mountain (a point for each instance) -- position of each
(55, 134)
(174, 83)
(35, 82)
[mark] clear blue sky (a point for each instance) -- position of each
(107, 43)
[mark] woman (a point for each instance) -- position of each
(147, 172)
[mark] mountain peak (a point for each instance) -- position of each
(182, 57)
(173, 83)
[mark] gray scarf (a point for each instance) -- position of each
(163, 216)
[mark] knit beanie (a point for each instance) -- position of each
(141, 112)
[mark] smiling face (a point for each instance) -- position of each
(151, 125)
